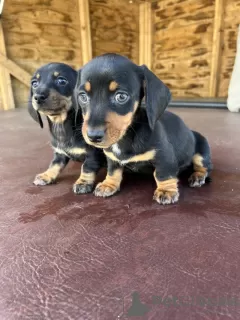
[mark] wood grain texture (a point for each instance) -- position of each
(145, 34)
(37, 32)
(216, 47)
(85, 30)
(7, 99)
(182, 44)
(114, 27)
(231, 21)
(15, 70)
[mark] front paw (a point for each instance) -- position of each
(166, 197)
(82, 188)
(43, 179)
(104, 189)
(197, 179)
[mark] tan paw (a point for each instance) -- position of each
(43, 179)
(197, 179)
(166, 197)
(105, 189)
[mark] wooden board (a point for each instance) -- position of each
(7, 100)
(216, 48)
(15, 70)
(38, 32)
(85, 30)
(230, 28)
(182, 44)
(114, 27)
(145, 34)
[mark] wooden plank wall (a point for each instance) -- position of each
(183, 32)
(115, 27)
(37, 32)
(183, 45)
(231, 22)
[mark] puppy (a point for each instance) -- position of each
(134, 133)
(51, 95)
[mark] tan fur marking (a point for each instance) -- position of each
(167, 191)
(116, 126)
(60, 151)
(55, 101)
(110, 185)
(113, 85)
(78, 151)
(85, 116)
(56, 73)
(199, 175)
(38, 76)
(197, 160)
(114, 179)
(59, 118)
(86, 178)
(111, 156)
(169, 185)
(87, 86)
(149, 155)
(198, 164)
(50, 174)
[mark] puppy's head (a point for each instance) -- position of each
(109, 91)
(51, 92)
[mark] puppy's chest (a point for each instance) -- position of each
(129, 157)
(70, 147)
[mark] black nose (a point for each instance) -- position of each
(95, 135)
(40, 98)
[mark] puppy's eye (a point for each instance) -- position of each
(121, 97)
(35, 83)
(61, 81)
(82, 97)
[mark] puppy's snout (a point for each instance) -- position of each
(40, 98)
(95, 135)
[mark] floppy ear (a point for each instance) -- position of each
(34, 113)
(157, 96)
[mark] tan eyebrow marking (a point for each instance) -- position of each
(56, 73)
(113, 85)
(87, 86)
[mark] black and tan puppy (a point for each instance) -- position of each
(52, 88)
(110, 92)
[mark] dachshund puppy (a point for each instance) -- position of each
(134, 133)
(51, 94)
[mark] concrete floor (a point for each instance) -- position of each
(64, 256)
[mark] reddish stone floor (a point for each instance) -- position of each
(64, 256)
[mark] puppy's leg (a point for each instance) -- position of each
(201, 160)
(89, 169)
(112, 182)
(167, 190)
(165, 175)
(58, 163)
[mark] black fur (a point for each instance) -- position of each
(66, 135)
(151, 128)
